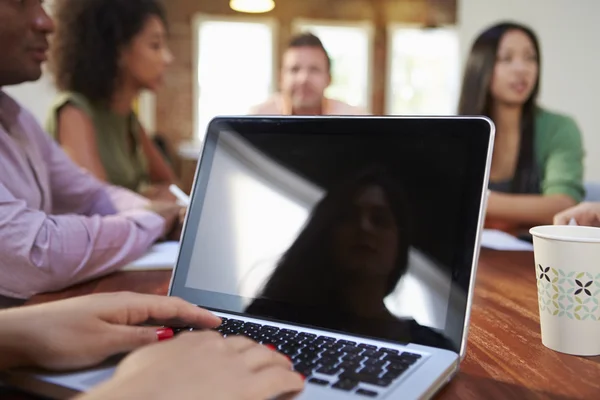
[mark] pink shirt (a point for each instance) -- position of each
(58, 224)
(277, 105)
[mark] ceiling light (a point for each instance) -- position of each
(252, 6)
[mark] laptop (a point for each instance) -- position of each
(348, 243)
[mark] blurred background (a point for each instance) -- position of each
(389, 57)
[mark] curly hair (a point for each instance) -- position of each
(88, 39)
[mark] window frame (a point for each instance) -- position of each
(197, 21)
(390, 30)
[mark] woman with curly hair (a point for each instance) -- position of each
(104, 53)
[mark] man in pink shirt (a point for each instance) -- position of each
(305, 74)
(58, 224)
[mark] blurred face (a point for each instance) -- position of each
(145, 60)
(516, 70)
(24, 27)
(366, 238)
(304, 77)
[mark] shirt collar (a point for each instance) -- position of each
(9, 109)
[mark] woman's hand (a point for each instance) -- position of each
(202, 366)
(84, 331)
(159, 192)
(586, 214)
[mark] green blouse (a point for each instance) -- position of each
(559, 154)
(559, 157)
(117, 138)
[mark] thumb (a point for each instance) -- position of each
(129, 338)
(560, 219)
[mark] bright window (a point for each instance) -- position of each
(234, 67)
(423, 75)
(349, 46)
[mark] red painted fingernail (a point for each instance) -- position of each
(164, 333)
(303, 377)
(271, 347)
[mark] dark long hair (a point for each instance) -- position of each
(305, 273)
(475, 97)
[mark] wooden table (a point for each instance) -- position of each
(505, 356)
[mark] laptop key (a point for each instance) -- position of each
(346, 342)
(372, 371)
(400, 359)
(392, 375)
(351, 357)
(351, 349)
(318, 381)
(330, 361)
(372, 380)
(367, 346)
(304, 369)
(368, 353)
(368, 393)
(394, 366)
(325, 370)
(303, 335)
(289, 352)
(345, 384)
(350, 366)
(378, 355)
(390, 351)
(373, 362)
(326, 338)
(327, 345)
(331, 353)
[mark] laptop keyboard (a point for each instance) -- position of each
(327, 361)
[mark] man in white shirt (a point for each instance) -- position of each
(305, 74)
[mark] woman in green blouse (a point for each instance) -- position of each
(105, 52)
(537, 164)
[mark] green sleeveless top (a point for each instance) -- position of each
(117, 138)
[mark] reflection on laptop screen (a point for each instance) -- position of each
(365, 233)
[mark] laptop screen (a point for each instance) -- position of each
(365, 226)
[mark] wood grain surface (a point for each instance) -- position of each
(505, 356)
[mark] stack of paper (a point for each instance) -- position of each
(498, 240)
(160, 256)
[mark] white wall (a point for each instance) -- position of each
(569, 34)
(37, 97)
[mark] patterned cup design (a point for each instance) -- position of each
(572, 295)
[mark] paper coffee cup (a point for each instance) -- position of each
(567, 268)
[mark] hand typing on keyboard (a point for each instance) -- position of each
(326, 361)
(202, 365)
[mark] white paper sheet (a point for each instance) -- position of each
(498, 240)
(160, 256)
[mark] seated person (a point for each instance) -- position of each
(305, 74)
(104, 53)
(537, 165)
(58, 224)
(83, 331)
